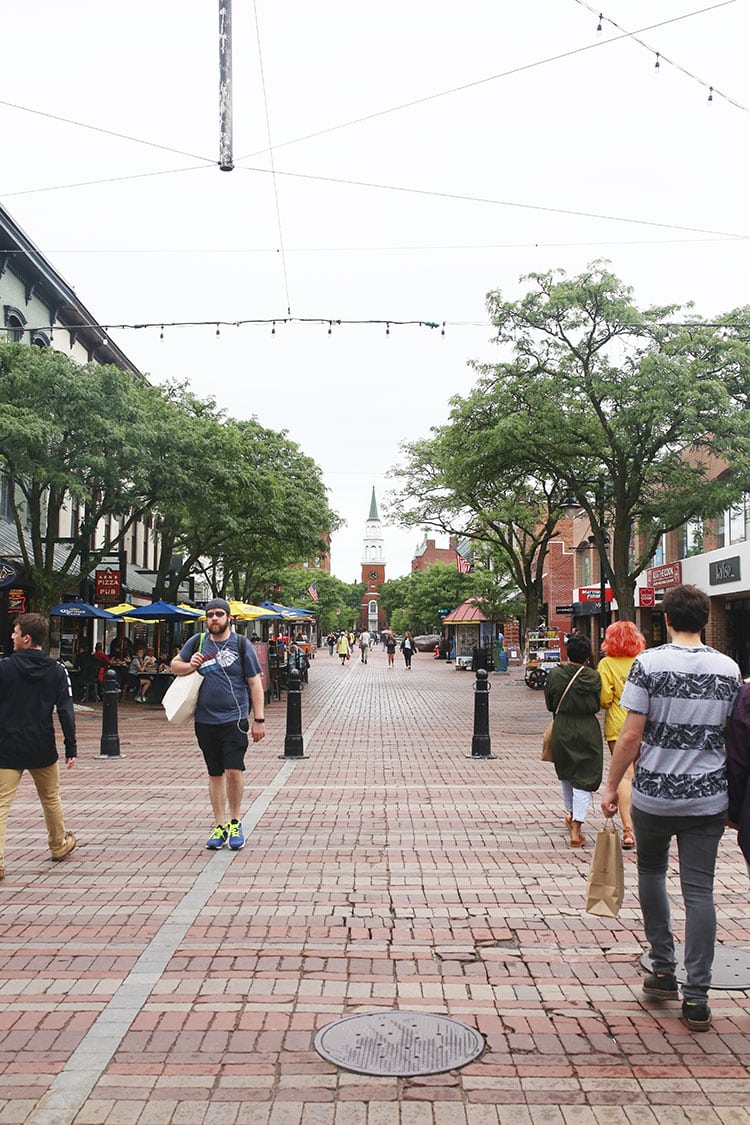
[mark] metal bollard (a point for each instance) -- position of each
(293, 743)
(110, 743)
(480, 743)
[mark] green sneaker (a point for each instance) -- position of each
(217, 839)
(235, 834)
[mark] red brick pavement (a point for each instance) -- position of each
(387, 870)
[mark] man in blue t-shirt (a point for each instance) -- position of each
(229, 667)
(678, 698)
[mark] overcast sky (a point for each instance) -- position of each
(423, 153)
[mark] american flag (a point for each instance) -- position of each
(462, 565)
(313, 592)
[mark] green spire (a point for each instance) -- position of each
(373, 507)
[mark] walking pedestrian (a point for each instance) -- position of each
(342, 647)
(390, 648)
(229, 668)
(678, 698)
(408, 648)
(622, 643)
(572, 693)
(738, 772)
(32, 687)
(364, 645)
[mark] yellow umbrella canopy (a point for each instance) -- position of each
(246, 611)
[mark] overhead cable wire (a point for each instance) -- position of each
(497, 202)
(496, 77)
(270, 153)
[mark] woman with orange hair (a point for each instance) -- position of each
(622, 643)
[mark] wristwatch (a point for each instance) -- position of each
(258, 720)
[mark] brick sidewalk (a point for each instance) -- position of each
(147, 980)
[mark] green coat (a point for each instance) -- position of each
(577, 735)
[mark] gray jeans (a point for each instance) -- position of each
(697, 845)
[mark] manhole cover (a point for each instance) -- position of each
(398, 1044)
(731, 967)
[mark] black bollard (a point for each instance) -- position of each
(110, 743)
(480, 743)
(293, 743)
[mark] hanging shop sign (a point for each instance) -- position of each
(10, 572)
(646, 597)
(108, 584)
(16, 601)
(726, 570)
(660, 577)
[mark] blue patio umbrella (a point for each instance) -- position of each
(80, 609)
(288, 612)
(163, 611)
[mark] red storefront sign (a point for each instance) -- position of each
(108, 585)
(660, 577)
(594, 593)
(646, 597)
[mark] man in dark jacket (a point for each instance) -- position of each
(32, 686)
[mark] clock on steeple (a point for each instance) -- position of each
(373, 571)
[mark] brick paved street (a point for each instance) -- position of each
(146, 980)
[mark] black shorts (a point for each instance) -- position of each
(223, 745)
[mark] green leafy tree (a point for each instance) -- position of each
(76, 444)
(629, 410)
(338, 602)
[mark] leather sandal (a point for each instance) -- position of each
(628, 839)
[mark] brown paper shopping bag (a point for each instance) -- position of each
(606, 882)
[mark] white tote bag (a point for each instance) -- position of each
(181, 697)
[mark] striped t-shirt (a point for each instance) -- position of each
(687, 694)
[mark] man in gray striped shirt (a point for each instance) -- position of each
(678, 698)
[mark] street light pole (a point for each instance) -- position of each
(602, 557)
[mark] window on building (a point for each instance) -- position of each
(738, 517)
(6, 486)
(15, 322)
(691, 538)
(40, 339)
(658, 555)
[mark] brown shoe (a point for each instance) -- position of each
(69, 842)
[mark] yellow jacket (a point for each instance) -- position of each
(614, 672)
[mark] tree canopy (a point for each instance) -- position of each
(641, 415)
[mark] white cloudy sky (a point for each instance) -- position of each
(551, 145)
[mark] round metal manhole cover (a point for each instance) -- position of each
(398, 1044)
(731, 967)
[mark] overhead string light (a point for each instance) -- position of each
(660, 57)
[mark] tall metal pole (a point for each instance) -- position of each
(602, 557)
(226, 158)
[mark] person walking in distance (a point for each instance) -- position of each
(408, 648)
(342, 647)
(678, 698)
(364, 645)
(390, 647)
(229, 668)
(32, 687)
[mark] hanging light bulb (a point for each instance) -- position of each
(710, 93)
(161, 334)
(273, 329)
(330, 327)
(599, 25)
(218, 333)
(657, 64)
(387, 328)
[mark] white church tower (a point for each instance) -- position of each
(373, 571)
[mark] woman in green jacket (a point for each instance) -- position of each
(572, 693)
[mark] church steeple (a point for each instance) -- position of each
(373, 508)
(373, 570)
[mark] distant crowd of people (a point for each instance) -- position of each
(345, 643)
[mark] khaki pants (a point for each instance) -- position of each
(47, 782)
